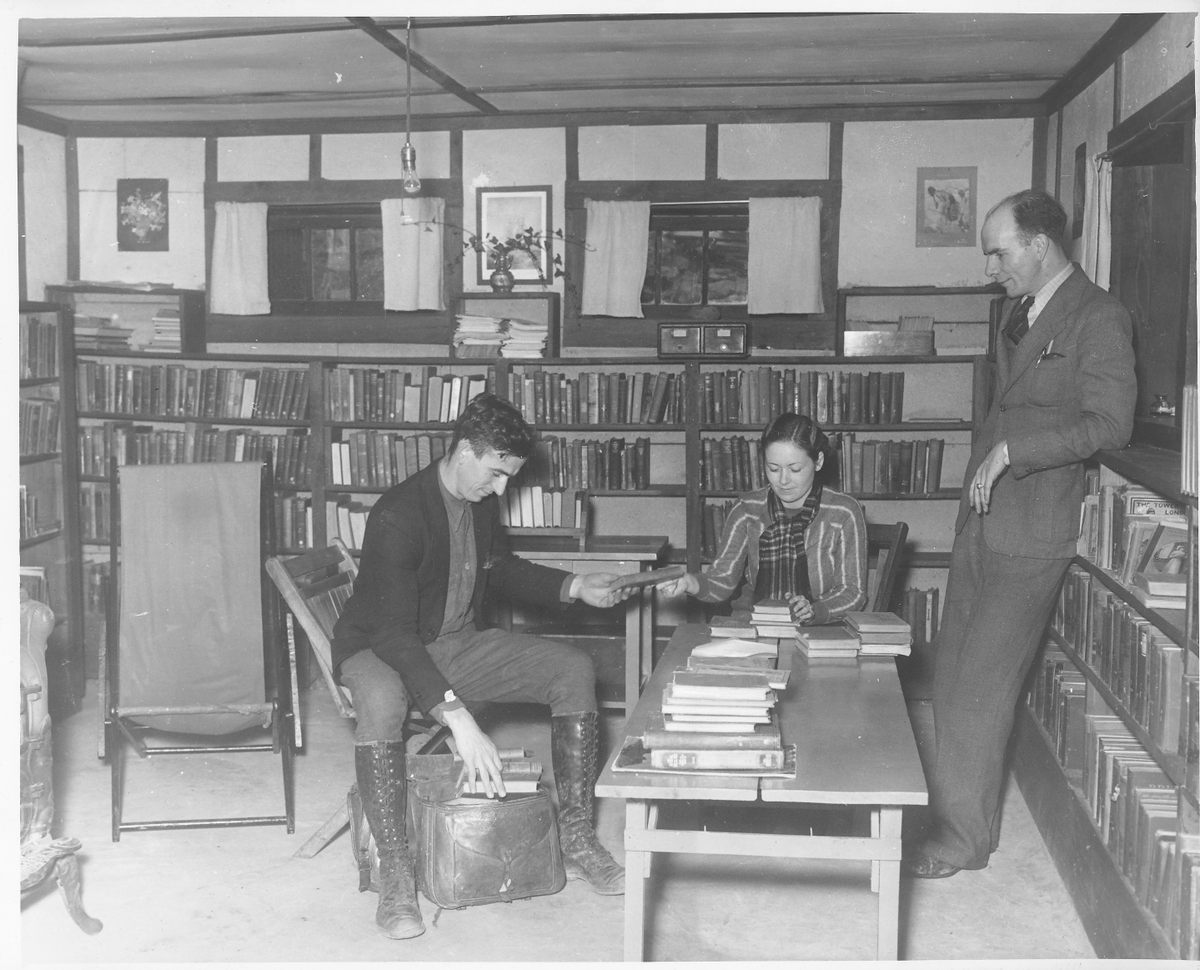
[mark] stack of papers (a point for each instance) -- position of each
(477, 336)
(881, 634)
(525, 339)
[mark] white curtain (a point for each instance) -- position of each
(239, 259)
(413, 261)
(1096, 258)
(614, 266)
(784, 262)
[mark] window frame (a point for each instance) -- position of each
(695, 216)
(308, 216)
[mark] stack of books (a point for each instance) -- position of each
(829, 641)
(100, 334)
(1160, 577)
(881, 634)
(477, 336)
(718, 714)
(525, 339)
(773, 618)
(168, 335)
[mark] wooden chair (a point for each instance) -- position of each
(190, 650)
(884, 544)
(315, 586)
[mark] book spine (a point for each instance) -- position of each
(716, 759)
(702, 741)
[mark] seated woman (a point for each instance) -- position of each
(794, 540)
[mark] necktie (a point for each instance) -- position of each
(1018, 323)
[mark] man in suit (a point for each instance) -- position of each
(1064, 389)
(413, 635)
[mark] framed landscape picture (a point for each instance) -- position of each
(946, 206)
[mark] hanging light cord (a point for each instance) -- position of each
(408, 82)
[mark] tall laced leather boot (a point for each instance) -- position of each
(379, 767)
(574, 746)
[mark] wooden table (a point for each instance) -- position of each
(613, 554)
(854, 745)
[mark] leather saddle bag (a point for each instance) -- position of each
(470, 850)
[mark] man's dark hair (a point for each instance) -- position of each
(1037, 211)
(491, 422)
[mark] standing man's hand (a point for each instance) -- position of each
(994, 464)
(595, 589)
(481, 760)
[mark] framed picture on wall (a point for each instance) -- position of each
(515, 222)
(142, 215)
(946, 206)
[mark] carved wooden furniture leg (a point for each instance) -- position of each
(66, 872)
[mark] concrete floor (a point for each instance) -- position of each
(240, 895)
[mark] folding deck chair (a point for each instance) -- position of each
(190, 650)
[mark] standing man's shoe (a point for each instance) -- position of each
(928, 867)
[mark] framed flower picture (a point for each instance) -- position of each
(142, 215)
(514, 222)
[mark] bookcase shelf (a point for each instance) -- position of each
(1134, 689)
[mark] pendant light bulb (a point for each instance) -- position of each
(408, 155)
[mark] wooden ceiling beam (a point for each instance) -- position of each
(434, 73)
(1127, 31)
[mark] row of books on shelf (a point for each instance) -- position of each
(403, 395)
(1148, 829)
(535, 507)
(1143, 668)
(604, 463)
(33, 525)
(755, 395)
(887, 467)
(921, 609)
(193, 391)
(381, 459)
(38, 425)
(132, 444)
(37, 346)
(1138, 535)
(590, 397)
(718, 714)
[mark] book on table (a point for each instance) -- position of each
(760, 666)
(726, 648)
(661, 733)
(827, 640)
(730, 629)
(877, 622)
(731, 759)
(751, 685)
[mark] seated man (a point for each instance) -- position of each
(412, 634)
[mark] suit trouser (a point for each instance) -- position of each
(993, 623)
(481, 665)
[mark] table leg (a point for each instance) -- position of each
(889, 886)
(646, 614)
(636, 871)
(874, 862)
(633, 651)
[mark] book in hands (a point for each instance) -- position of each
(519, 774)
(651, 577)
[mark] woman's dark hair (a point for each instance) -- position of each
(799, 430)
(491, 422)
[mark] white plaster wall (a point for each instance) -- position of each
(783, 151)
(263, 158)
(1158, 60)
(627, 152)
(1085, 120)
(376, 155)
(877, 245)
(45, 177)
(512, 157)
(179, 160)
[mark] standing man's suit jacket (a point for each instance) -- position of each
(1064, 392)
(399, 598)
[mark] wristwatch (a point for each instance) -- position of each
(450, 702)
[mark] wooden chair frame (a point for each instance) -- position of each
(119, 728)
(884, 544)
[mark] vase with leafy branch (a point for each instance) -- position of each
(499, 254)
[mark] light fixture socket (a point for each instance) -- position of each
(408, 168)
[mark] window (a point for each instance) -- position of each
(697, 254)
(325, 258)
